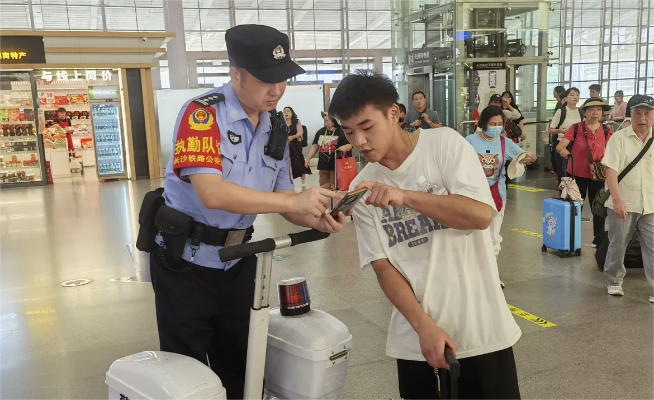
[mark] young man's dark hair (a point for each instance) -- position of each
(488, 113)
(595, 87)
(360, 89)
(560, 90)
(402, 107)
(418, 92)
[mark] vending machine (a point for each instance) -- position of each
(109, 138)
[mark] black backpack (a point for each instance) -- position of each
(305, 142)
(564, 113)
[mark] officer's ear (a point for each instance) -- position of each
(237, 74)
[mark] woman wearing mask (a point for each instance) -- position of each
(494, 150)
(329, 141)
(295, 145)
(562, 120)
(591, 135)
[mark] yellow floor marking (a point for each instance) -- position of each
(538, 235)
(526, 188)
(531, 317)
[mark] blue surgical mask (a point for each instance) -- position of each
(493, 131)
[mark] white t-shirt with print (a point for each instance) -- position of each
(571, 117)
(453, 273)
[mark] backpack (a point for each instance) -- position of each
(305, 142)
(564, 113)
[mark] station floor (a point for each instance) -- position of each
(57, 342)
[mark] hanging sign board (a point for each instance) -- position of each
(485, 66)
(420, 57)
(22, 50)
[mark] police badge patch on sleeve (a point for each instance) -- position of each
(234, 138)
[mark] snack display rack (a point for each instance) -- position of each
(21, 150)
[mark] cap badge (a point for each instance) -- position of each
(279, 53)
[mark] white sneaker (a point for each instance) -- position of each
(651, 299)
(615, 290)
(502, 285)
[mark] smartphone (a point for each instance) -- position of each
(348, 201)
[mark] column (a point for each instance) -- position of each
(192, 74)
(156, 78)
(176, 47)
(378, 64)
(542, 93)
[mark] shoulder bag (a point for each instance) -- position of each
(598, 207)
(597, 169)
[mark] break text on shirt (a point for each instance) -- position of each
(402, 223)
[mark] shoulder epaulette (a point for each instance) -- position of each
(210, 99)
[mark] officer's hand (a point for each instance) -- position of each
(327, 223)
(314, 201)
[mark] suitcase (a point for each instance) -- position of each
(562, 226)
(633, 256)
(448, 379)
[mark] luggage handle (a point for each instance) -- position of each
(449, 388)
(572, 167)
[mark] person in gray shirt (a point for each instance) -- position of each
(421, 116)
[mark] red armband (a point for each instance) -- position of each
(198, 140)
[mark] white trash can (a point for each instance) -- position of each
(162, 376)
(307, 356)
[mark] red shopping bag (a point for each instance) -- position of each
(346, 170)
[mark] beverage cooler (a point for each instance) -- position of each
(110, 152)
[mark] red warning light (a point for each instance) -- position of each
(293, 296)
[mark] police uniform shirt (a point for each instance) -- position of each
(220, 139)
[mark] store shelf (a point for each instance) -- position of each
(3, 153)
(56, 150)
(18, 123)
(85, 149)
(31, 138)
(15, 168)
(16, 106)
(86, 135)
(52, 107)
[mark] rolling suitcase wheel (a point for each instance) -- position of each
(543, 249)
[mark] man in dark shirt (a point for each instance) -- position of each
(401, 121)
(421, 116)
(328, 142)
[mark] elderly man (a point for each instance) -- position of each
(631, 205)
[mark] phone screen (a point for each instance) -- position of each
(348, 202)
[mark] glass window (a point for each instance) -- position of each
(246, 4)
(43, 18)
(358, 40)
(193, 41)
(378, 4)
(587, 36)
(244, 17)
(625, 35)
(119, 3)
(190, 3)
(213, 3)
(327, 20)
(305, 40)
(303, 20)
(149, 19)
(214, 19)
(623, 70)
(623, 52)
(329, 40)
(137, 3)
(379, 39)
(213, 41)
(275, 19)
(624, 17)
(326, 5)
(626, 85)
(272, 4)
(589, 18)
(15, 16)
(191, 19)
(356, 4)
(379, 20)
(357, 20)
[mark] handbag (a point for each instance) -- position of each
(597, 169)
(513, 130)
(598, 207)
(346, 170)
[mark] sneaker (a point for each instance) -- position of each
(502, 285)
(651, 299)
(596, 241)
(615, 290)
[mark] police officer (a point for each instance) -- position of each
(225, 170)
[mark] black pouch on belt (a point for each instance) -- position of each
(175, 228)
(148, 231)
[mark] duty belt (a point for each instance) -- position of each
(212, 236)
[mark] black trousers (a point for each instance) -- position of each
(489, 376)
(204, 313)
(589, 189)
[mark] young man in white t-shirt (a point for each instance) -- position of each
(432, 252)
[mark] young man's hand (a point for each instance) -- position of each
(432, 344)
(382, 195)
(416, 123)
(328, 224)
(620, 209)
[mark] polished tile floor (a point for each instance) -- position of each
(57, 342)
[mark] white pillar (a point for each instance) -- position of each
(156, 78)
(176, 47)
(378, 64)
(192, 66)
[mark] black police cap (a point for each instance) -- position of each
(262, 51)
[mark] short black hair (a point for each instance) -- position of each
(418, 92)
(360, 89)
(402, 107)
(595, 87)
(619, 93)
(572, 89)
(488, 113)
(560, 90)
(61, 109)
